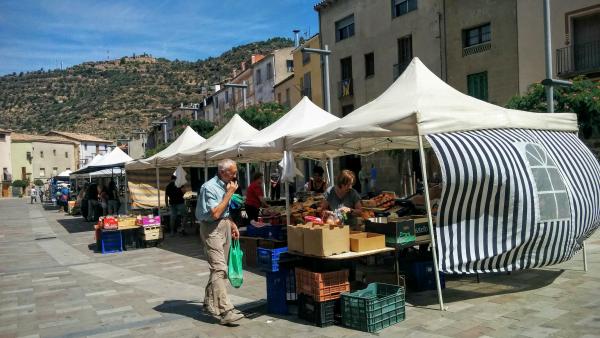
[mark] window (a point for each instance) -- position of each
(68, 169)
(346, 66)
(287, 97)
(66, 154)
(290, 65)
(305, 58)
(307, 85)
(477, 35)
(258, 76)
(42, 172)
(54, 171)
(553, 199)
(369, 64)
(41, 154)
(2, 137)
(477, 85)
(54, 152)
(401, 7)
(85, 146)
(279, 98)
(269, 71)
(344, 28)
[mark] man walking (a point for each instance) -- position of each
(216, 230)
(176, 203)
(33, 194)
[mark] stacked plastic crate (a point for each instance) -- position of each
(280, 281)
(374, 308)
(319, 295)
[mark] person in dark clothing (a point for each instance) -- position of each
(316, 183)
(92, 197)
(275, 186)
(175, 202)
(113, 198)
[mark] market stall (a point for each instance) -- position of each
(496, 212)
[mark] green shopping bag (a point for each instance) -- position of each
(235, 271)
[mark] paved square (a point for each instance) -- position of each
(53, 285)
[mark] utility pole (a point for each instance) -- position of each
(549, 82)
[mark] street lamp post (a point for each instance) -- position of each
(325, 54)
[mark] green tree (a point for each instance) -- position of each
(582, 98)
(38, 182)
(202, 127)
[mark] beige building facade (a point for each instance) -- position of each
(272, 69)
(286, 92)
(308, 76)
(42, 157)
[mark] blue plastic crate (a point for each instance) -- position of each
(277, 292)
(423, 276)
(268, 259)
(267, 231)
(111, 242)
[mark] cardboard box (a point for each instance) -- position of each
(366, 241)
(295, 238)
(327, 240)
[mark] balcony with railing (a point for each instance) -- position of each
(345, 88)
(399, 68)
(578, 59)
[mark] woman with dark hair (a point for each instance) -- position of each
(255, 198)
(316, 183)
(342, 199)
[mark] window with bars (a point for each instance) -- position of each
(401, 7)
(344, 28)
(477, 35)
(551, 190)
(477, 85)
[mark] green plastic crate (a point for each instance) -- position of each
(374, 308)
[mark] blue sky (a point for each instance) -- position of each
(41, 34)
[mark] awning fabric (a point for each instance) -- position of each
(188, 139)
(269, 143)
(234, 131)
(419, 103)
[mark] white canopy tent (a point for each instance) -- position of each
(270, 143)
(420, 104)
(188, 139)
(235, 131)
(65, 173)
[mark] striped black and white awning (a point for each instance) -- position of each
(514, 199)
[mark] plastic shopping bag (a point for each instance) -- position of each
(235, 271)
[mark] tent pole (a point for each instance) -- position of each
(126, 182)
(158, 189)
(287, 203)
(585, 268)
(430, 221)
(262, 170)
(332, 176)
(247, 174)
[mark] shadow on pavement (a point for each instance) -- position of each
(462, 288)
(76, 224)
(186, 308)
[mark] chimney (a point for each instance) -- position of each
(256, 58)
(296, 38)
(243, 65)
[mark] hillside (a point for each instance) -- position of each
(111, 98)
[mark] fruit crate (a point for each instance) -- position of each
(111, 241)
(321, 314)
(277, 292)
(322, 286)
(150, 233)
(374, 308)
(268, 259)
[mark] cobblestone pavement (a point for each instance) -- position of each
(53, 285)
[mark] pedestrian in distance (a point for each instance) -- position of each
(216, 231)
(176, 203)
(33, 194)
